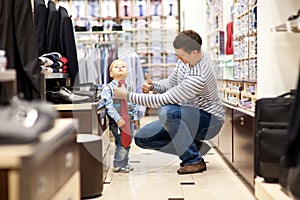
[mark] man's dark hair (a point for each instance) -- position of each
(188, 41)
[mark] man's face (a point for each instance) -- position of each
(183, 56)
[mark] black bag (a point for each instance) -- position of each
(272, 117)
(290, 162)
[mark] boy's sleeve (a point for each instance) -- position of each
(135, 112)
(107, 98)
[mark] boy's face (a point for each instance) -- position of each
(119, 70)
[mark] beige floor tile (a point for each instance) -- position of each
(154, 178)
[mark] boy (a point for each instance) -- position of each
(118, 71)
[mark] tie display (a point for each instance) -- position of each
(125, 130)
(125, 10)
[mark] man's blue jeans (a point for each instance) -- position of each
(176, 130)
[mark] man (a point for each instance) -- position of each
(190, 109)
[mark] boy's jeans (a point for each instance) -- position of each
(176, 130)
(121, 154)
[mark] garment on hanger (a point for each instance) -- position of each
(52, 28)
(67, 45)
(94, 63)
(19, 40)
(40, 20)
(229, 41)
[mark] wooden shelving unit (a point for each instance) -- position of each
(148, 27)
(8, 83)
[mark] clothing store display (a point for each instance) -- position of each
(156, 8)
(66, 96)
(229, 40)
(170, 12)
(67, 43)
(93, 8)
(52, 28)
(97, 28)
(125, 133)
(94, 61)
(40, 21)
(109, 8)
(17, 36)
(28, 119)
(78, 9)
(86, 89)
(125, 8)
(272, 117)
(117, 27)
(80, 28)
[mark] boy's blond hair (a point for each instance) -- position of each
(114, 63)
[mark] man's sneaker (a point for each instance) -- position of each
(120, 170)
(129, 167)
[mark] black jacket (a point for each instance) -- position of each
(52, 28)
(18, 38)
(67, 43)
(40, 21)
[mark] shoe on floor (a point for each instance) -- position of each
(120, 169)
(129, 167)
(192, 168)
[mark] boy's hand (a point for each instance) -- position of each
(147, 85)
(121, 123)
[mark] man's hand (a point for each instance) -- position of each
(120, 92)
(147, 85)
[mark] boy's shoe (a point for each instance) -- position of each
(120, 170)
(129, 167)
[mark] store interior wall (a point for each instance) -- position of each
(278, 52)
(193, 16)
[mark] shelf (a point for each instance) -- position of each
(56, 75)
(97, 32)
(8, 75)
(269, 191)
(289, 26)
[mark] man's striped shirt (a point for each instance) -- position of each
(190, 86)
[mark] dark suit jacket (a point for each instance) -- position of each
(67, 43)
(40, 21)
(52, 28)
(18, 38)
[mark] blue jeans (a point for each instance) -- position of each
(176, 130)
(121, 154)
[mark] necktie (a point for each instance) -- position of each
(125, 130)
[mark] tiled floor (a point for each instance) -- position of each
(154, 178)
